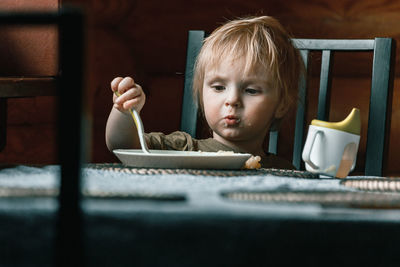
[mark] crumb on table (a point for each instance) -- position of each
(253, 163)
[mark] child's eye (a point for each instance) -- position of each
(218, 87)
(251, 91)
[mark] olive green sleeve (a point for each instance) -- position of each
(174, 141)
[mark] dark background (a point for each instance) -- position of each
(147, 39)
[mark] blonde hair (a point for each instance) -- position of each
(261, 42)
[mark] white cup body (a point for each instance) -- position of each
(330, 152)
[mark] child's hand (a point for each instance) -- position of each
(131, 94)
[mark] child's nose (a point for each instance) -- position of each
(233, 99)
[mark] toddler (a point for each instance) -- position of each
(245, 81)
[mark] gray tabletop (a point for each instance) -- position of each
(170, 218)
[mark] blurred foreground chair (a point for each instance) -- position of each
(69, 87)
(380, 98)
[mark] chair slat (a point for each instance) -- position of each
(28, 86)
(273, 142)
(380, 107)
(71, 138)
(334, 44)
(3, 123)
(189, 108)
(300, 115)
(325, 83)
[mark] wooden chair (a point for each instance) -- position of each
(13, 87)
(23, 85)
(380, 98)
(69, 87)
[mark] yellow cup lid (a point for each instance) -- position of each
(351, 124)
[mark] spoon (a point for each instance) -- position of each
(139, 127)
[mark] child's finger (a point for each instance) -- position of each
(125, 84)
(115, 82)
(128, 95)
(131, 103)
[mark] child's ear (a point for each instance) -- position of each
(281, 110)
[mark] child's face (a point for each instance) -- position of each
(239, 107)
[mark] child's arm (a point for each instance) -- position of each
(120, 129)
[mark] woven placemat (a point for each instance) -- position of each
(117, 167)
(27, 192)
(373, 184)
(326, 198)
(18, 192)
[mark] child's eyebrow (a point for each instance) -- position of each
(214, 78)
(254, 80)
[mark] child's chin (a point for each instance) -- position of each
(233, 136)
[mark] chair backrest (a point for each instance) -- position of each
(380, 97)
(189, 108)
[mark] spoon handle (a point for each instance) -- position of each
(139, 126)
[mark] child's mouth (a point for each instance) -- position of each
(231, 120)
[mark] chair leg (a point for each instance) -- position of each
(3, 123)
